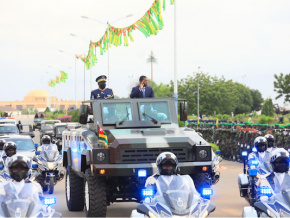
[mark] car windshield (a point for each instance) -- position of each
(60, 129)
(38, 120)
(8, 129)
(47, 127)
(7, 122)
(157, 110)
(22, 144)
(114, 112)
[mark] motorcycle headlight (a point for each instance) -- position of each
(50, 165)
(202, 153)
(101, 156)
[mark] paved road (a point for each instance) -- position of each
(226, 194)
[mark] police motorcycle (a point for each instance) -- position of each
(21, 197)
(49, 165)
(258, 167)
(215, 175)
(274, 193)
(169, 194)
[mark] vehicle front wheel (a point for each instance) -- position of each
(74, 190)
(95, 195)
(51, 185)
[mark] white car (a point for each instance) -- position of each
(25, 144)
(7, 120)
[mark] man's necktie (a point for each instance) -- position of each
(143, 90)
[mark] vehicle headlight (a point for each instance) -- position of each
(202, 153)
(50, 165)
(101, 156)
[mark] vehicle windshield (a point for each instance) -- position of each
(7, 121)
(114, 112)
(49, 152)
(22, 144)
(60, 129)
(38, 120)
(47, 127)
(8, 129)
(157, 110)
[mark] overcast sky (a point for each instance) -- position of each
(247, 41)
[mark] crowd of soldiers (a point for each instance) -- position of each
(233, 138)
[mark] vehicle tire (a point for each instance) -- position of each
(74, 190)
(51, 185)
(95, 195)
(201, 180)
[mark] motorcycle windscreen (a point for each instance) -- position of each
(50, 155)
(19, 208)
(178, 195)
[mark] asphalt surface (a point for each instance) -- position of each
(226, 193)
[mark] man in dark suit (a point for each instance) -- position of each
(142, 90)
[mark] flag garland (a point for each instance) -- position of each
(149, 24)
(59, 79)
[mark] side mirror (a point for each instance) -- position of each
(84, 112)
(36, 145)
(37, 153)
(218, 152)
(183, 108)
(1, 166)
(34, 166)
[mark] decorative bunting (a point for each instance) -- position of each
(149, 24)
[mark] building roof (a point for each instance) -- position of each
(8, 109)
(38, 93)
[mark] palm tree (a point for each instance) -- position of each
(152, 60)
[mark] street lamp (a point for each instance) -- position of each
(75, 75)
(85, 17)
(85, 68)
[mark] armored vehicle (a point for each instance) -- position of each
(109, 160)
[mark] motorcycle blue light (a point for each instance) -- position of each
(266, 191)
(34, 166)
(253, 172)
(142, 173)
(49, 201)
(244, 153)
(37, 153)
(254, 149)
(207, 191)
(254, 162)
(147, 192)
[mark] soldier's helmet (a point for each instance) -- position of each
(279, 160)
(166, 163)
(270, 139)
(261, 144)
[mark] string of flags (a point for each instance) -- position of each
(59, 79)
(149, 24)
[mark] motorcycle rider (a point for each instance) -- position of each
(166, 163)
(46, 144)
(271, 140)
(261, 155)
(2, 143)
(19, 187)
(279, 179)
(10, 149)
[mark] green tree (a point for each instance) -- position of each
(282, 86)
(268, 108)
(47, 110)
(245, 99)
(257, 100)
(161, 90)
(152, 60)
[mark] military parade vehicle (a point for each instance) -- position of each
(109, 159)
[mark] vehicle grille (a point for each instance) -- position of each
(143, 155)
